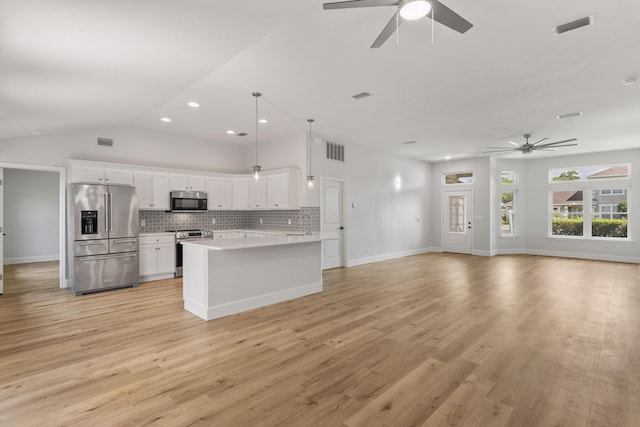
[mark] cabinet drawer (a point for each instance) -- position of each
(155, 239)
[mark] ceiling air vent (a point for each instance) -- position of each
(361, 95)
(335, 151)
(574, 25)
(106, 142)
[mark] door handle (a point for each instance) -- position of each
(110, 211)
(124, 240)
(341, 228)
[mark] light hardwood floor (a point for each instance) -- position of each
(428, 340)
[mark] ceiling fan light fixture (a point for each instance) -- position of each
(414, 9)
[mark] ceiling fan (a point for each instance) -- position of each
(528, 148)
(408, 10)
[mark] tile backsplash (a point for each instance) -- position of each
(303, 219)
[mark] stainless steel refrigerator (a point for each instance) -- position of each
(103, 237)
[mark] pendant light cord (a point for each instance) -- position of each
(310, 140)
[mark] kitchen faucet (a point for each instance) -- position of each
(308, 227)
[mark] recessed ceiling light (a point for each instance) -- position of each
(193, 104)
(263, 121)
(629, 82)
(567, 115)
(447, 157)
(166, 119)
(231, 132)
(37, 132)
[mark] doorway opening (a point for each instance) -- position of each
(32, 206)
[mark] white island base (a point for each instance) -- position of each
(227, 277)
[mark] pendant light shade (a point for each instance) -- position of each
(256, 168)
(310, 177)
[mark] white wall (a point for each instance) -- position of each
(386, 222)
(31, 216)
(536, 198)
(131, 145)
(483, 223)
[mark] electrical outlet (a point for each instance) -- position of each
(289, 221)
(295, 274)
(213, 221)
(142, 222)
(260, 220)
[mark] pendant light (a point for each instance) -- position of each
(310, 177)
(256, 168)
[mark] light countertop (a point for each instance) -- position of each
(257, 242)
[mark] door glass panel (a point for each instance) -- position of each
(456, 214)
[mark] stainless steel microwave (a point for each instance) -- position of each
(188, 201)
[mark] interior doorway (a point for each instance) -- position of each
(58, 175)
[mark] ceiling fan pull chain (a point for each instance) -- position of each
(433, 18)
(397, 28)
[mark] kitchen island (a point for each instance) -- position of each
(223, 277)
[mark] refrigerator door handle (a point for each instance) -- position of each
(99, 258)
(91, 243)
(106, 210)
(110, 211)
(133, 239)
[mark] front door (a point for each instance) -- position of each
(457, 214)
(332, 250)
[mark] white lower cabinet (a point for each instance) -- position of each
(157, 256)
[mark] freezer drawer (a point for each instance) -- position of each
(100, 272)
(91, 247)
(127, 244)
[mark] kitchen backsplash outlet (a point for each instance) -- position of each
(304, 219)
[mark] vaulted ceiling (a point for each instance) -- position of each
(67, 65)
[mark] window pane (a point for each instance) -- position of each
(589, 173)
(508, 177)
(459, 178)
(456, 214)
(567, 213)
(609, 213)
(507, 214)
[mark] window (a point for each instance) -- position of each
(609, 213)
(589, 173)
(567, 213)
(508, 177)
(458, 178)
(602, 212)
(508, 214)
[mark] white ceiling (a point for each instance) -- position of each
(79, 64)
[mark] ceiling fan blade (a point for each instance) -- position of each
(447, 17)
(388, 30)
(507, 150)
(513, 143)
(501, 148)
(557, 142)
(554, 146)
(359, 3)
(536, 143)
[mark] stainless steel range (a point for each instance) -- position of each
(183, 236)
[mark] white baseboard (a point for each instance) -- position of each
(385, 257)
(29, 259)
(594, 257)
(156, 277)
(216, 311)
(483, 253)
(510, 251)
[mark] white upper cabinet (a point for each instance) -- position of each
(241, 192)
(258, 193)
(100, 175)
(187, 183)
(282, 190)
(219, 193)
(152, 190)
